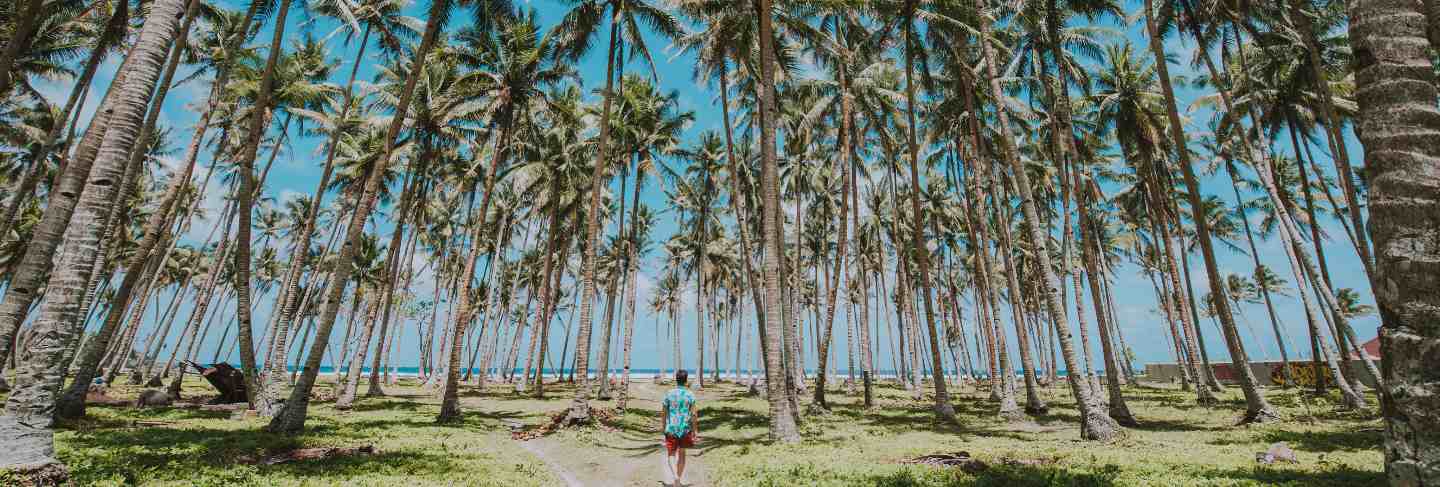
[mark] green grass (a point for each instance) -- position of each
(1178, 443)
(203, 448)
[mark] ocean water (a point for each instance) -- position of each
(641, 373)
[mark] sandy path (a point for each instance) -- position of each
(634, 460)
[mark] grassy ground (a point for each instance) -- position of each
(201, 448)
(1177, 444)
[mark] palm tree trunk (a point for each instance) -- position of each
(549, 298)
(861, 281)
(1258, 276)
(114, 30)
(1257, 408)
(287, 306)
(1396, 92)
(292, 418)
(1034, 405)
(1334, 137)
(248, 188)
(29, 275)
(847, 177)
(25, 423)
(579, 411)
(632, 264)
(1094, 424)
(782, 418)
(72, 403)
(1191, 305)
(1089, 250)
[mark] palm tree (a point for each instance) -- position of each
(1257, 408)
(292, 418)
(1395, 88)
(782, 419)
(521, 61)
(382, 15)
(1095, 425)
(25, 423)
(72, 403)
(578, 28)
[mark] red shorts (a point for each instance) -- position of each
(672, 442)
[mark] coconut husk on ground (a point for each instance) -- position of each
(303, 454)
(961, 459)
(602, 418)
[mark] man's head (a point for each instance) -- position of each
(681, 377)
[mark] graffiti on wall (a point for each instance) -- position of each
(1302, 374)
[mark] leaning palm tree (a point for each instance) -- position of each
(518, 62)
(578, 28)
(332, 118)
(292, 417)
(1095, 424)
(25, 423)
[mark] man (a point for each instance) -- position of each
(679, 422)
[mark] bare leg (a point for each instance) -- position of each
(680, 467)
(670, 476)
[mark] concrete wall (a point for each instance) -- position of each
(1267, 373)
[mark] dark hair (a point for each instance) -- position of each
(681, 376)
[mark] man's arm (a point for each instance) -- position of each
(664, 413)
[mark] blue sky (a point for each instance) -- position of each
(297, 171)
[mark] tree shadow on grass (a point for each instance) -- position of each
(717, 417)
(185, 454)
(995, 476)
(1311, 441)
(375, 404)
(162, 448)
(1327, 476)
(409, 462)
(1169, 426)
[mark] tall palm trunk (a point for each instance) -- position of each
(1090, 250)
(553, 297)
(28, 277)
(1258, 276)
(617, 279)
(847, 177)
(292, 418)
(1396, 92)
(72, 403)
(1033, 403)
(381, 313)
(922, 252)
(860, 285)
(579, 411)
(782, 419)
(287, 307)
(258, 123)
(1200, 372)
(740, 205)
(1257, 408)
(632, 266)
(26, 421)
(465, 310)
(1094, 424)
